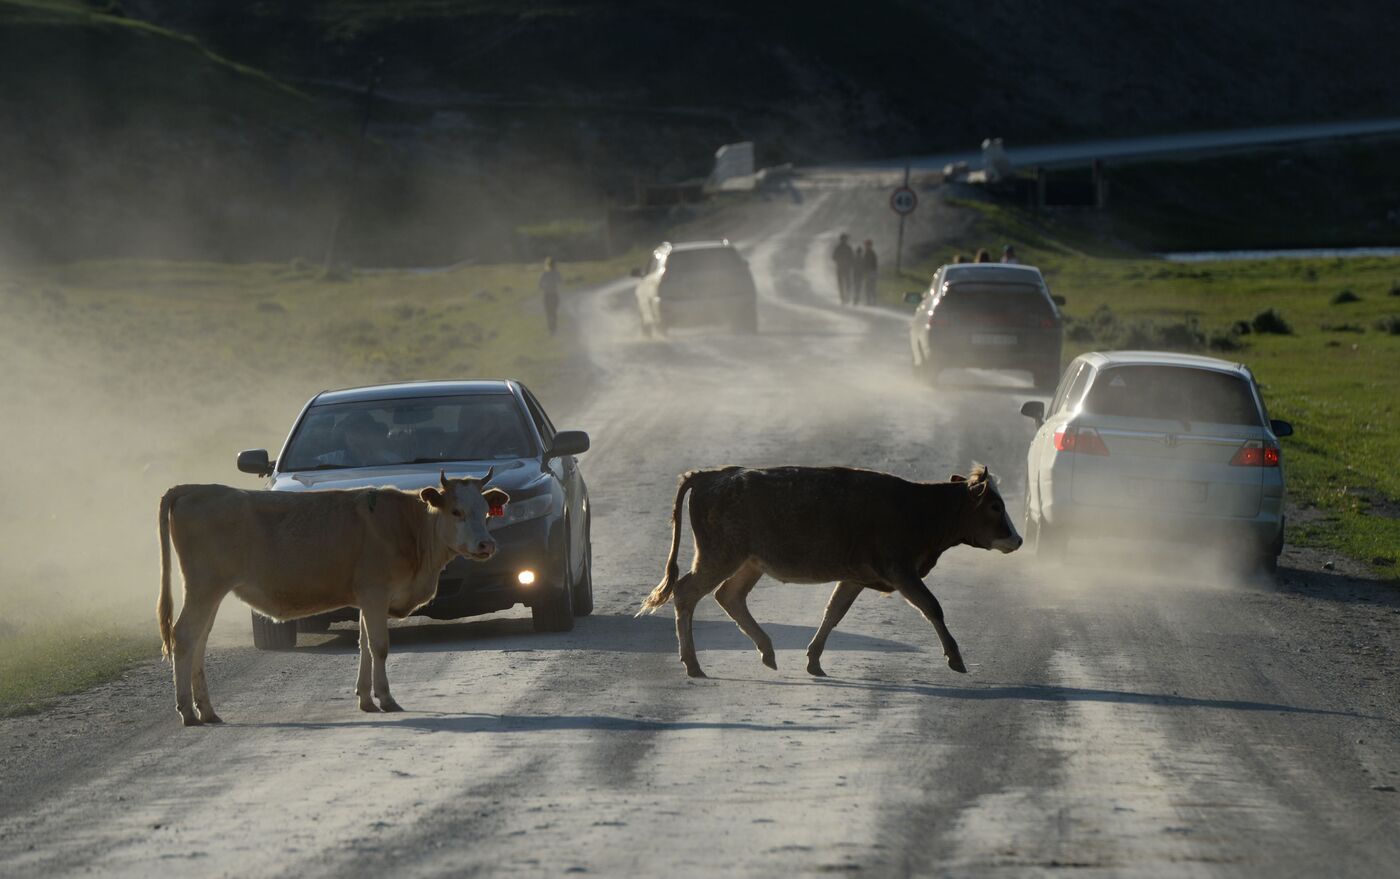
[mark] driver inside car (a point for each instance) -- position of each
(364, 444)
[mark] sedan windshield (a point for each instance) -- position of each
(376, 433)
(1172, 392)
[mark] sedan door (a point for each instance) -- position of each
(565, 471)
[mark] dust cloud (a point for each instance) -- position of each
(99, 422)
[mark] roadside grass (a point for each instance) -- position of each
(132, 376)
(1335, 377)
(43, 663)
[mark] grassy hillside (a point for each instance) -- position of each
(884, 76)
(121, 137)
(228, 130)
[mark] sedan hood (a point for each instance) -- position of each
(518, 475)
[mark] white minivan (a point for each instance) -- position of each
(1159, 445)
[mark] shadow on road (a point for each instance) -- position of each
(989, 381)
(613, 633)
(1335, 587)
(527, 723)
(1054, 693)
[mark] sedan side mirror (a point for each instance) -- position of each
(568, 442)
(1034, 409)
(255, 461)
(1058, 300)
(913, 297)
(636, 273)
(1281, 428)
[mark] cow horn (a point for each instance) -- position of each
(489, 471)
(442, 474)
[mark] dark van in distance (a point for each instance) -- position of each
(989, 316)
(696, 284)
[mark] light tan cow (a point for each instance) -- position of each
(291, 555)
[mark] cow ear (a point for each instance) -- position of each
(431, 496)
(957, 478)
(977, 490)
(496, 501)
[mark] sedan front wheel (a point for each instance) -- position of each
(555, 612)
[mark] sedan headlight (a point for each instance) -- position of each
(523, 511)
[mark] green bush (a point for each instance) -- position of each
(1104, 329)
(1226, 340)
(1270, 321)
(1345, 297)
(1389, 324)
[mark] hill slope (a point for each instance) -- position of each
(228, 130)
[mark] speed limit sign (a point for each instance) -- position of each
(903, 201)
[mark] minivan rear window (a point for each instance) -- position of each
(973, 298)
(710, 259)
(1179, 393)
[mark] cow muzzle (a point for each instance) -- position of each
(1008, 544)
(482, 551)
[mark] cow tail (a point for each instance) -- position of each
(164, 602)
(662, 593)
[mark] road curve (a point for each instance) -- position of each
(1129, 715)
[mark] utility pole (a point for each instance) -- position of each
(374, 77)
(899, 248)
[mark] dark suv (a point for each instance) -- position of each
(988, 315)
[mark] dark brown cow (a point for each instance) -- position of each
(864, 529)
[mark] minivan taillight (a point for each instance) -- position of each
(1048, 323)
(937, 321)
(1256, 453)
(1083, 440)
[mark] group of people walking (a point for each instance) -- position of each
(1008, 256)
(856, 271)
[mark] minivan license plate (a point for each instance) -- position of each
(993, 339)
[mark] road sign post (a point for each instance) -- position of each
(902, 202)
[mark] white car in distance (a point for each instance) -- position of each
(1159, 445)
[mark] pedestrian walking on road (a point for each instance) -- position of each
(857, 274)
(549, 288)
(870, 272)
(845, 260)
(983, 255)
(1008, 255)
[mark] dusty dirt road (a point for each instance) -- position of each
(1128, 715)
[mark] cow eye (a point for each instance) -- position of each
(459, 514)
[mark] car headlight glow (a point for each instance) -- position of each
(523, 511)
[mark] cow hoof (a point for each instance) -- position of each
(815, 670)
(389, 705)
(210, 717)
(190, 720)
(771, 661)
(695, 672)
(956, 664)
(369, 707)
